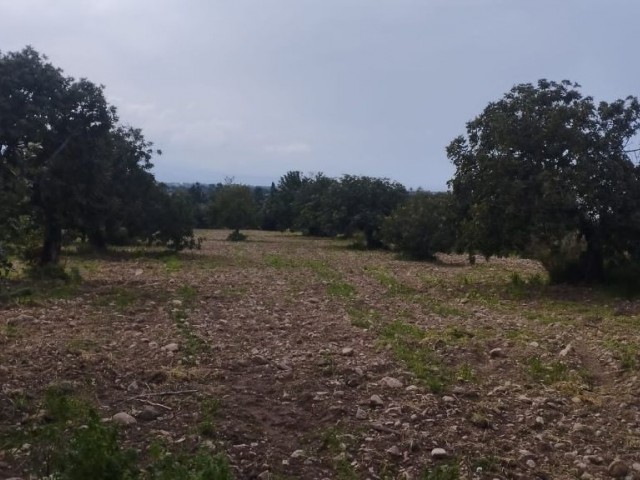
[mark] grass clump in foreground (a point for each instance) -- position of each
(41, 283)
(406, 343)
(386, 279)
(547, 373)
(445, 471)
(69, 441)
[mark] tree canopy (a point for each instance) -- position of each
(544, 169)
(66, 163)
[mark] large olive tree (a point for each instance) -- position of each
(544, 172)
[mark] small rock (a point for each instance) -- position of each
(283, 366)
(361, 414)
(133, 387)
(586, 476)
(376, 401)
(534, 344)
(497, 353)
(153, 344)
(581, 428)
(297, 454)
(438, 453)
(391, 382)
(176, 303)
(22, 318)
(149, 413)
(171, 347)
(636, 467)
(618, 469)
(138, 272)
(448, 399)
(531, 463)
(123, 418)
(347, 351)
(259, 360)
(395, 451)
(565, 351)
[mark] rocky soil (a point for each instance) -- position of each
(300, 358)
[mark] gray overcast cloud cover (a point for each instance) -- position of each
(254, 88)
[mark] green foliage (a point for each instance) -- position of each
(209, 411)
(321, 206)
(93, 451)
(546, 372)
(543, 172)
(341, 289)
(67, 166)
(446, 471)
(405, 342)
(234, 207)
(279, 209)
(313, 206)
(199, 466)
(421, 226)
(54, 272)
(362, 203)
(236, 236)
(388, 280)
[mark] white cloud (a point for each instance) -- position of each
(293, 148)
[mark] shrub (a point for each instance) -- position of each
(420, 227)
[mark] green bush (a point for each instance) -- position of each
(236, 236)
(420, 227)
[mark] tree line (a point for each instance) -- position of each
(544, 172)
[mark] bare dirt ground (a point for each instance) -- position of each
(300, 358)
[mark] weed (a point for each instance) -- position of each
(363, 317)
(236, 236)
(485, 464)
(438, 307)
(187, 293)
(547, 373)
(341, 289)
(75, 444)
(329, 440)
(233, 291)
(53, 272)
(172, 263)
(92, 451)
(77, 346)
(199, 466)
(446, 471)
(479, 420)
(628, 354)
(344, 470)
(119, 297)
(321, 269)
(62, 407)
(11, 332)
(386, 279)
(209, 411)
(466, 373)
(193, 343)
(405, 342)
(277, 261)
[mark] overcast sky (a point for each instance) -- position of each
(254, 88)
